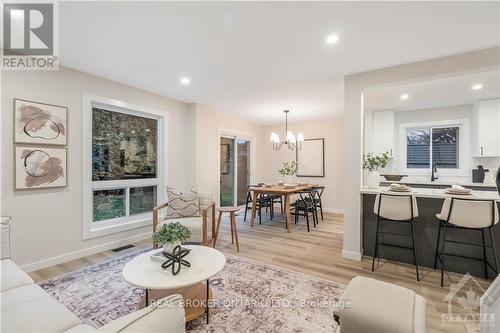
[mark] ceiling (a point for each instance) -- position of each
(456, 90)
(254, 59)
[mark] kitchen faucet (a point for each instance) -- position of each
(434, 175)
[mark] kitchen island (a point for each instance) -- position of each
(429, 202)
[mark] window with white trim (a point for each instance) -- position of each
(125, 165)
(433, 145)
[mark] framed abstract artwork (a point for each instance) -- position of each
(39, 167)
(311, 158)
(38, 123)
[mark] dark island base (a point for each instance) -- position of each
(426, 231)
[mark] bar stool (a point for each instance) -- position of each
(232, 218)
(396, 208)
(469, 214)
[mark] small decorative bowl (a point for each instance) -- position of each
(394, 178)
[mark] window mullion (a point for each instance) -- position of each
(431, 159)
(127, 201)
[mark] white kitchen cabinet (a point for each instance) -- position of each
(488, 128)
(383, 132)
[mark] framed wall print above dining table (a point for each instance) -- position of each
(311, 158)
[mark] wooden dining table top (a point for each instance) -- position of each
(280, 189)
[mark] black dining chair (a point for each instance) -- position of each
(317, 199)
(263, 201)
(304, 206)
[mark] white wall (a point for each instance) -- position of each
(332, 130)
(47, 223)
(354, 86)
(209, 125)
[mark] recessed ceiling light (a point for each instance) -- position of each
(477, 87)
(405, 96)
(331, 39)
(185, 81)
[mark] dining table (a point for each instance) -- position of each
(284, 190)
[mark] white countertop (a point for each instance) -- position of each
(436, 193)
(438, 183)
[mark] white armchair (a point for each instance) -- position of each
(197, 224)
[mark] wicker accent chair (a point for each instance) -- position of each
(197, 224)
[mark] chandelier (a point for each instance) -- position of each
(290, 141)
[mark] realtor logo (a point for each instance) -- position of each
(29, 36)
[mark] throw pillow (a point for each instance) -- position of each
(181, 204)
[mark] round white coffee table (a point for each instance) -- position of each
(143, 272)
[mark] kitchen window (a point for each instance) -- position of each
(444, 143)
(125, 172)
(428, 146)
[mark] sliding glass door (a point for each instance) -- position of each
(234, 170)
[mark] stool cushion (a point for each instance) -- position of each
(396, 207)
(469, 213)
(377, 306)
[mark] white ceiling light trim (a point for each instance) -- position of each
(185, 81)
(404, 96)
(477, 87)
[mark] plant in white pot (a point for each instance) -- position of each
(371, 164)
(288, 171)
(170, 235)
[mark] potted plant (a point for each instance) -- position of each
(371, 164)
(288, 171)
(170, 235)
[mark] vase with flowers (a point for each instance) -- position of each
(288, 170)
(371, 164)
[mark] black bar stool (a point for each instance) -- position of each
(472, 214)
(395, 208)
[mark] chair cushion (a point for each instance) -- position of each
(13, 276)
(42, 315)
(16, 296)
(194, 224)
(396, 316)
(182, 204)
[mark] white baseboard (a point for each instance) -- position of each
(351, 255)
(84, 252)
(333, 210)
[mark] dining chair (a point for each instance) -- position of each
(317, 199)
(304, 206)
(263, 201)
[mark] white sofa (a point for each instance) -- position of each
(25, 307)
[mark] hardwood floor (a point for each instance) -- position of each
(317, 253)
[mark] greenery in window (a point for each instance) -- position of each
(123, 146)
(108, 204)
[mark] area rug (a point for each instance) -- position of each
(248, 297)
